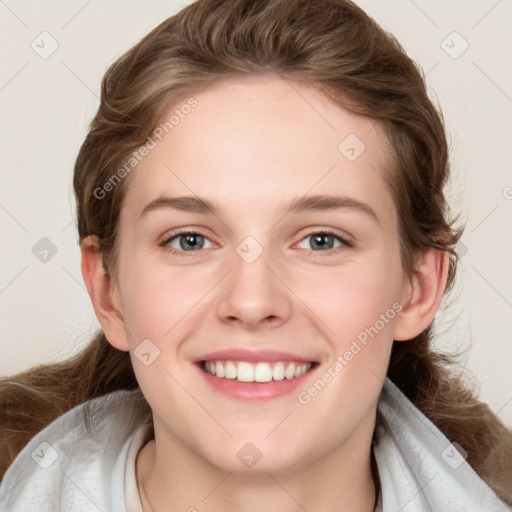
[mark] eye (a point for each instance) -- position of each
(187, 241)
(322, 241)
(191, 241)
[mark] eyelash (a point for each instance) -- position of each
(345, 243)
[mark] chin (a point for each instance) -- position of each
(258, 457)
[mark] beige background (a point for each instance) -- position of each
(46, 104)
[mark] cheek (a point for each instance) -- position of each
(357, 308)
(160, 303)
(350, 298)
(357, 305)
(157, 298)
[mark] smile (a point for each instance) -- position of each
(244, 371)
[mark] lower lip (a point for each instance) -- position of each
(255, 391)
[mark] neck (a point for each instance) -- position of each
(172, 478)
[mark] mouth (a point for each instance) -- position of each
(256, 372)
(255, 381)
(251, 375)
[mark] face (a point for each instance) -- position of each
(298, 263)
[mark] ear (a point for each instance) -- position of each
(422, 295)
(103, 293)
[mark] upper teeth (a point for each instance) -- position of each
(259, 372)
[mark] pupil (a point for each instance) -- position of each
(190, 242)
(319, 241)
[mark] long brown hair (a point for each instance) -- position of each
(329, 44)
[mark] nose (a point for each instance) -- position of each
(253, 295)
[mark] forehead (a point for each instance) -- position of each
(250, 140)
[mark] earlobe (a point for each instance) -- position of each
(102, 291)
(422, 294)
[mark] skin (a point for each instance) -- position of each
(252, 145)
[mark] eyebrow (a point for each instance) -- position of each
(198, 204)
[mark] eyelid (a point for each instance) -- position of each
(346, 239)
(169, 235)
(333, 252)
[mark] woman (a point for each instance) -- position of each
(265, 242)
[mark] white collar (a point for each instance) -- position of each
(419, 469)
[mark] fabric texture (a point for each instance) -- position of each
(67, 467)
(131, 493)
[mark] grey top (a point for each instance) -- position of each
(68, 468)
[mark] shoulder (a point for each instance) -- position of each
(419, 468)
(77, 462)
